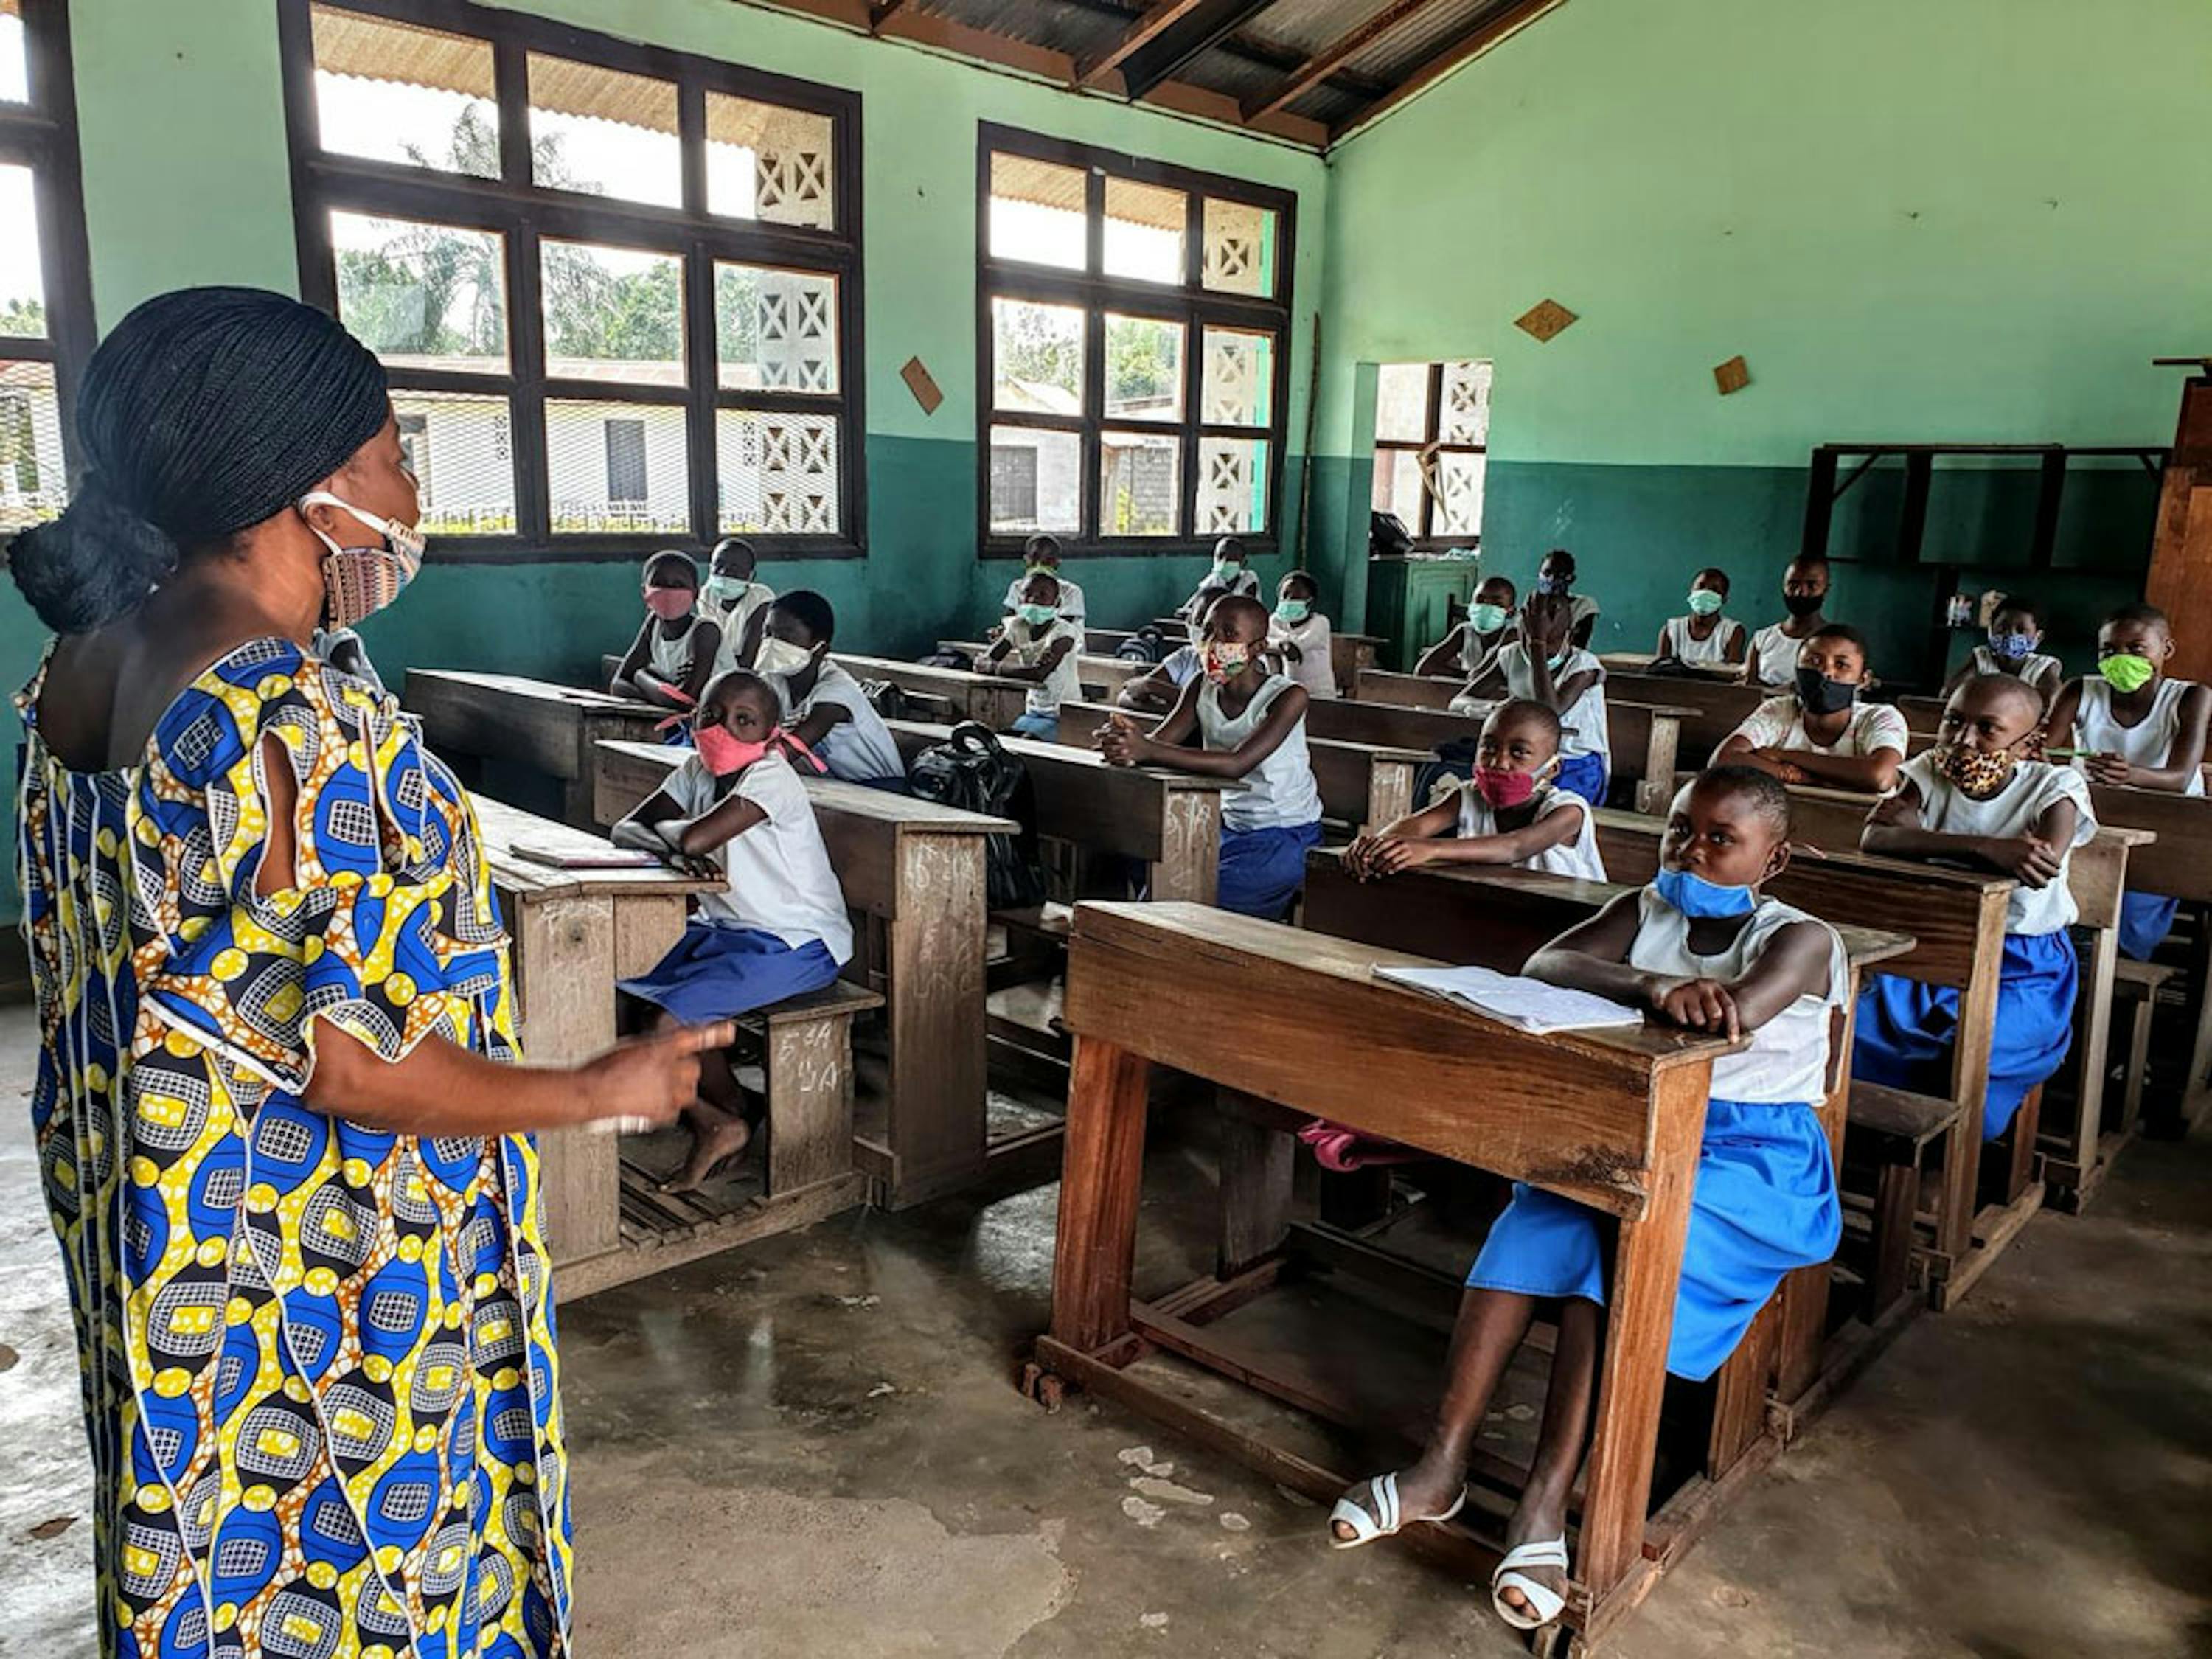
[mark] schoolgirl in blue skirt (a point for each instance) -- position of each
(1974, 799)
(1251, 725)
(1700, 947)
(778, 929)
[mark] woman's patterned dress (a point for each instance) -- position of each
(319, 1357)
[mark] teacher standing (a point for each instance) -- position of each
(281, 1132)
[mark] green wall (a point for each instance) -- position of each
(1967, 221)
(186, 180)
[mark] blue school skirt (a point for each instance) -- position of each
(1261, 870)
(1906, 1029)
(1034, 724)
(1763, 1205)
(1583, 775)
(2145, 921)
(714, 972)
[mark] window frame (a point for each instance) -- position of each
(1425, 537)
(1190, 303)
(41, 135)
(525, 215)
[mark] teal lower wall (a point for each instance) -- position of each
(1638, 533)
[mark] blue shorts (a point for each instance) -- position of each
(1035, 725)
(1263, 870)
(1907, 1029)
(1763, 1205)
(2145, 921)
(1583, 775)
(714, 972)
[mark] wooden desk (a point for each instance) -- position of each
(1610, 1119)
(1105, 674)
(2177, 865)
(990, 699)
(576, 931)
(1639, 663)
(1170, 822)
(913, 872)
(1499, 919)
(550, 728)
(1364, 785)
(1718, 707)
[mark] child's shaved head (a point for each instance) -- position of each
(738, 687)
(1237, 619)
(1040, 588)
(2001, 697)
(1524, 714)
(1760, 795)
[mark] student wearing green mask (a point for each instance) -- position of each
(2133, 725)
(1041, 553)
(1229, 575)
(731, 600)
(1039, 645)
(1470, 648)
(1705, 638)
(1299, 635)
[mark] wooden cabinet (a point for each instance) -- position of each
(2181, 551)
(1411, 602)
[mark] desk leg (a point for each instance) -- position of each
(1101, 1180)
(1632, 1375)
(1258, 1166)
(1390, 792)
(1190, 868)
(2089, 1060)
(1657, 787)
(998, 709)
(934, 978)
(562, 947)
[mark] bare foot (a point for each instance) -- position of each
(1538, 1517)
(1424, 1492)
(717, 1139)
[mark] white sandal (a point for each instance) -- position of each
(1387, 1518)
(1545, 1604)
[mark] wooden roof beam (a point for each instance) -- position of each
(1164, 14)
(1498, 27)
(1204, 25)
(881, 12)
(1331, 58)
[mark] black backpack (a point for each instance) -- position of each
(1148, 645)
(888, 700)
(969, 770)
(1454, 764)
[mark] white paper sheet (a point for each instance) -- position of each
(1530, 1005)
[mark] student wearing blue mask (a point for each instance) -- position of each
(1039, 645)
(1701, 947)
(1298, 633)
(1540, 664)
(1470, 648)
(1705, 638)
(2133, 725)
(1977, 799)
(731, 600)
(1230, 576)
(2015, 631)
(1041, 553)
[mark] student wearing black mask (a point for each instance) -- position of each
(1821, 732)
(1774, 648)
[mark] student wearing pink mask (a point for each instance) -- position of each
(737, 808)
(1252, 725)
(672, 657)
(1510, 812)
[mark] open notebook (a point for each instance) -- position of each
(1528, 1004)
(585, 858)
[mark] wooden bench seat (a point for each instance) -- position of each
(1891, 1130)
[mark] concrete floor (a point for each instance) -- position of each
(812, 1448)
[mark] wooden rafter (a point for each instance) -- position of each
(1331, 58)
(881, 12)
(1163, 15)
(1478, 39)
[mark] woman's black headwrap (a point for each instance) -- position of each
(207, 410)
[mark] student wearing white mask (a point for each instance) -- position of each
(734, 602)
(824, 706)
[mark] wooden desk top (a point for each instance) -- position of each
(901, 812)
(1300, 1018)
(1639, 662)
(1064, 755)
(502, 826)
(2180, 862)
(927, 673)
(517, 685)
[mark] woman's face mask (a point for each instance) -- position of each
(721, 594)
(1293, 610)
(1224, 662)
(1704, 601)
(1489, 618)
(1037, 616)
(671, 604)
(360, 581)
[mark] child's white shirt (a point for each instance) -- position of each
(1312, 670)
(1280, 793)
(1684, 647)
(1575, 856)
(780, 877)
(2013, 811)
(731, 612)
(1779, 723)
(2148, 742)
(859, 748)
(1029, 645)
(1787, 1062)
(2035, 666)
(1583, 726)
(1774, 655)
